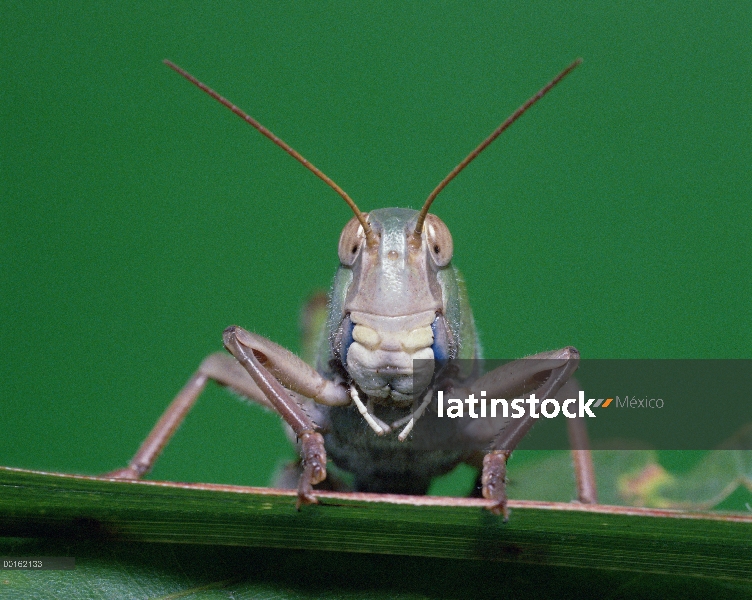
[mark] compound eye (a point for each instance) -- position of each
(439, 240)
(351, 241)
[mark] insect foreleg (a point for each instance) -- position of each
(288, 369)
(312, 453)
(261, 373)
(560, 365)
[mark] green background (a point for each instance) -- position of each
(140, 218)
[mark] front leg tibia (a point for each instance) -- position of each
(494, 481)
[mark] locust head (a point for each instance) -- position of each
(391, 300)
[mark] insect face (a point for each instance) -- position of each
(391, 301)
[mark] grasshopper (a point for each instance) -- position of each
(396, 298)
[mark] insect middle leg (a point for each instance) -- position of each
(221, 368)
(262, 383)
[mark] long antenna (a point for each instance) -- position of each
(371, 238)
(485, 143)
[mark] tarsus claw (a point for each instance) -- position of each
(494, 481)
(314, 467)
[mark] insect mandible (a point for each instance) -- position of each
(396, 297)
